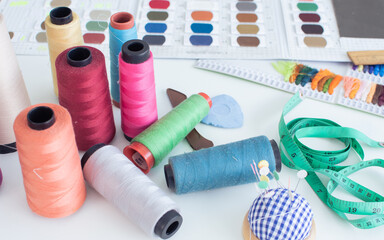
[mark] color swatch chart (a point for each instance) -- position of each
(234, 29)
(29, 37)
(209, 29)
(277, 81)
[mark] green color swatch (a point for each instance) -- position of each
(311, 7)
(99, 26)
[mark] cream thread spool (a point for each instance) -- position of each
(63, 31)
(13, 93)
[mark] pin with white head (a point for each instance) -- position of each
(301, 175)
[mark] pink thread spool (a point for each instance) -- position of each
(137, 88)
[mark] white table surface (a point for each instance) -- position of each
(216, 214)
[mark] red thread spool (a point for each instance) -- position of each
(83, 90)
(137, 88)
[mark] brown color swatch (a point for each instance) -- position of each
(248, 41)
(315, 41)
(11, 34)
(246, 17)
(41, 37)
(195, 140)
(202, 15)
(42, 25)
(247, 29)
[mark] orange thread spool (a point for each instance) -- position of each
(49, 160)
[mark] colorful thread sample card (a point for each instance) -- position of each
(210, 29)
(28, 34)
(364, 89)
(357, 90)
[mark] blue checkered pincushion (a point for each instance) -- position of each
(277, 216)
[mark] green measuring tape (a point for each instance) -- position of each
(298, 156)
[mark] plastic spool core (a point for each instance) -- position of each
(122, 21)
(168, 224)
(169, 177)
(139, 160)
(140, 155)
(79, 57)
(61, 15)
(135, 51)
(90, 152)
(40, 118)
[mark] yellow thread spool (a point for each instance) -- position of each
(63, 31)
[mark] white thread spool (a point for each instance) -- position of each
(13, 93)
(117, 179)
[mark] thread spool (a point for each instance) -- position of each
(137, 88)
(63, 32)
(49, 160)
(220, 166)
(84, 92)
(153, 144)
(278, 215)
(1, 177)
(107, 170)
(13, 93)
(121, 29)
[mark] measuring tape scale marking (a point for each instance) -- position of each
(298, 156)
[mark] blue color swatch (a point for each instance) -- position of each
(201, 27)
(198, 40)
(156, 27)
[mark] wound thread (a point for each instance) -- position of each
(122, 28)
(49, 160)
(63, 32)
(150, 147)
(137, 88)
(117, 179)
(13, 93)
(220, 166)
(84, 92)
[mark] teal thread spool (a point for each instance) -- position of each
(221, 166)
(149, 147)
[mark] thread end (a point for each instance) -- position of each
(209, 100)
(8, 148)
(168, 224)
(169, 177)
(79, 57)
(135, 51)
(41, 118)
(140, 156)
(61, 15)
(122, 21)
(276, 153)
(90, 152)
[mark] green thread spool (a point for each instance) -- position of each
(150, 147)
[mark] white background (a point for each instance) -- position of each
(216, 214)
